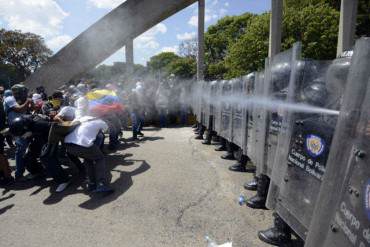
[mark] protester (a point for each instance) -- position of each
(15, 106)
(85, 141)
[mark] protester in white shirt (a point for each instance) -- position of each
(85, 141)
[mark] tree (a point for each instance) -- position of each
(189, 48)
(183, 68)
(218, 39)
(363, 13)
(316, 26)
(26, 51)
(363, 18)
(159, 63)
(248, 53)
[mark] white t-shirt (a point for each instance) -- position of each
(9, 103)
(85, 134)
(67, 112)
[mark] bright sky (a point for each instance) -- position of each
(59, 21)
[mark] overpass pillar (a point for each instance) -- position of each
(276, 20)
(129, 52)
(347, 25)
(200, 63)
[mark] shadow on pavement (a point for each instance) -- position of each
(151, 138)
(6, 208)
(120, 185)
(7, 197)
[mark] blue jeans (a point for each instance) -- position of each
(53, 167)
(20, 151)
(134, 123)
(141, 122)
(162, 118)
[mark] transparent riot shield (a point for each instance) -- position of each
(226, 110)
(299, 171)
(237, 125)
(218, 106)
(247, 98)
(277, 76)
(207, 103)
(196, 102)
(203, 103)
(342, 212)
(256, 90)
(214, 88)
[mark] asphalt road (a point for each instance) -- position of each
(170, 191)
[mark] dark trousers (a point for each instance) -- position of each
(53, 167)
(94, 160)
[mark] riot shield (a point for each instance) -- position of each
(214, 88)
(255, 89)
(218, 106)
(277, 77)
(207, 103)
(248, 94)
(238, 111)
(226, 110)
(299, 170)
(203, 102)
(196, 102)
(342, 212)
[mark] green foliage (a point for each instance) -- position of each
(316, 26)
(160, 62)
(217, 40)
(363, 18)
(248, 53)
(25, 51)
(183, 68)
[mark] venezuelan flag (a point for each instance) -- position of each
(103, 102)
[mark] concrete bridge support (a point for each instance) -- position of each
(347, 25)
(201, 16)
(129, 53)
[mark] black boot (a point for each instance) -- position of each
(200, 133)
(258, 201)
(223, 145)
(215, 138)
(250, 168)
(251, 185)
(238, 167)
(242, 165)
(208, 139)
(230, 152)
(228, 156)
(278, 235)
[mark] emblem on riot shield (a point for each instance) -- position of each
(315, 145)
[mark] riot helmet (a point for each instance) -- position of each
(315, 93)
(20, 93)
(336, 76)
(280, 75)
(19, 126)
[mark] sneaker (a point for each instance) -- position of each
(103, 189)
(7, 181)
(140, 134)
(91, 186)
(61, 187)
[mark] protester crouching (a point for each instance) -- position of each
(86, 141)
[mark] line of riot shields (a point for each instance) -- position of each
(302, 126)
